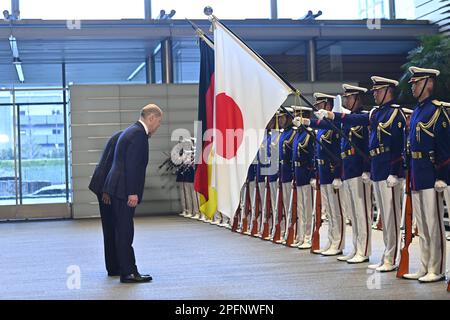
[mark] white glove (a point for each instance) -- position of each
(322, 113)
(297, 121)
(313, 183)
(365, 177)
(440, 186)
(337, 183)
(392, 181)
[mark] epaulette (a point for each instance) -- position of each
(437, 103)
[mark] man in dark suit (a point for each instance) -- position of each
(125, 185)
(104, 202)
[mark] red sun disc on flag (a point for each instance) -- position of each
(229, 126)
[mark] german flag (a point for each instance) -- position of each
(203, 172)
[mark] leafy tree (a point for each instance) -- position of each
(432, 53)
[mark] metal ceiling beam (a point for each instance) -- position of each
(249, 30)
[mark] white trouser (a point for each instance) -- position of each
(273, 199)
(305, 208)
(286, 189)
(195, 200)
(182, 196)
(288, 205)
(359, 203)
(325, 207)
(261, 202)
(389, 209)
(251, 187)
(345, 203)
(336, 225)
(429, 211)
(188, 188)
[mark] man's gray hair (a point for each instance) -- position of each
(151, 109)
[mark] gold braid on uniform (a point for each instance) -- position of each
(326, 136)
(303, 145)
(289, 140)
(425, 127)
(383, 126)
(355, 131)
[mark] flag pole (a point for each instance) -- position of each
(294, 91)
(200, 33)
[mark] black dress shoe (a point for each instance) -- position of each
(135, 278)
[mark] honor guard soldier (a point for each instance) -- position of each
(328, 157)
(270, 172)
(180, 181)
(356, 178)
(429, 143)
(386, 143)
(189, 174)
(250, 184)
(286, 170)
(287, 134)
(304, 175)
(263, 172)
(178, 158)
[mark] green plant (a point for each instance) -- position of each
(433, 53)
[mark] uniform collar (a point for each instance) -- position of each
(389, 103)
(420, 104)
(144, 125)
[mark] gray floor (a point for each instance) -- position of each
(188, 260)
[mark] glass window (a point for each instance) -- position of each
(229, 9)
(405, 9)
(359, 60)
(35, 75)
(41, 145)
(186, 61)
(104, 73)
(7, 168)
(81, 9)
(332, 9)
(157, 65)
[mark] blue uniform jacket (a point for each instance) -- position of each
(285, 149)
(429, 142)
(353, 164)
(303, 157)
(329, 167)
(386, 139)
(265, 160)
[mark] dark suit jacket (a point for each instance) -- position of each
(104, 165)
(127, 174)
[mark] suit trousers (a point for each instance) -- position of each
(123, 218)
(109, 236)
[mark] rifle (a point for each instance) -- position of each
(293, 225)
(403, 266)
(280, 205)
(246, 208)
(315, 241)
(266, 227)
(448, 286)
(237, 215)
(254, 230)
